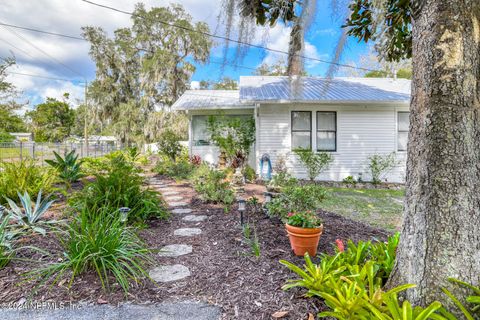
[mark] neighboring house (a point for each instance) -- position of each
(103, 140)
(352, 118)
(22, 136)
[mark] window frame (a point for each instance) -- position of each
(292, 130)
(402, 131)
(318, 130)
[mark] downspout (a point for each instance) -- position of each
(257, 136)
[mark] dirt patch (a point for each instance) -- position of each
(223, 271)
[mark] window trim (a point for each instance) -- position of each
(292, 130)
(403, 131)
(335, 131)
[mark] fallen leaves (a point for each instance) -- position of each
(279, 314)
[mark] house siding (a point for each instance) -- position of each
(362, 130)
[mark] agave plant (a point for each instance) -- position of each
(68, 167)
(28, 217)
(6, 251)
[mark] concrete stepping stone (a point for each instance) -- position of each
(177, 204)
(194, 218)
(170, 193)
(174, 198)
(187, 232)
(181, 211)
(175, 250)
(169, 273)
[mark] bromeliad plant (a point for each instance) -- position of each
(68, 167)
(29, 217)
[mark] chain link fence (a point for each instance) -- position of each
(18, 151)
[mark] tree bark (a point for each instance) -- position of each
(441, 229)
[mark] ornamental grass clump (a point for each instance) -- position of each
(120, 186)
(99, 242)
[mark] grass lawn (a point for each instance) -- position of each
(377, 207)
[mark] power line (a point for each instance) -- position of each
(43, 77)
(45, 53)
(42, 31)
(229, 39)
(19, 49)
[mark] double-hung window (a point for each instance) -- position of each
(301, 130)
(403, 124)
(326, 131)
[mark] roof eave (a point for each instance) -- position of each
(286, 101)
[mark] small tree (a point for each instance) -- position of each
(169, 144)
(234, 136)
(381, 164)
(315, 163)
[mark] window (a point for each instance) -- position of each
(326, 131)
(200, 135)
(403, 124)
(301, 129)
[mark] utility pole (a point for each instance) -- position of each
(85, 129)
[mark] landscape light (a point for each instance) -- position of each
(124, 213)
(241, 208)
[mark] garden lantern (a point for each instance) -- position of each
(241, 208)
(124, 213)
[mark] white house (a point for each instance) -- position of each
(352, 118)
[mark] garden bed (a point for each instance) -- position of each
(223, 270)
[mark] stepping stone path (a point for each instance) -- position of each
(173, 198)
(181, 211)
(175, 250)
(178, 204)
(187, 232)
(170, 193)
(169, 273)
(194, 218)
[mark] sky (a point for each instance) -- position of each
(57, 57)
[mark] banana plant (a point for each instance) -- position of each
(29, 216)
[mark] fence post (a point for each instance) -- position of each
(33, 150)
(21, 151)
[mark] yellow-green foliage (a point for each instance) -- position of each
(25, 176)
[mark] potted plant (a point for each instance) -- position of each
(304, 230)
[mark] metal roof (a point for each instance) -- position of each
(266, 89)
(209, 99)
(312, 89)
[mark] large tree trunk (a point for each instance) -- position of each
(441, 229)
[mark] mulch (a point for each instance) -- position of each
(224, 272)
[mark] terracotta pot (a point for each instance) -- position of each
(304, 239)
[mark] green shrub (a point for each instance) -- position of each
(169, 145)
(6, 137)
(121, 186)
(379, 165)
(249, 173)
(68, 168)
(25, 176)
(180, 169)
(212, 186)
(296, 198)
(281, 180)
(99, 242)
(314, 162)
(304, 219)
(349, 180)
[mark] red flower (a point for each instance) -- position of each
(340, 245)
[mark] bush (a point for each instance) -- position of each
(98, 241)
(304, 219)
(296, 198)
(212, 186)
(120, 187)
(249, 173)
(169, 145)
(6, 137)
(349, 180)
(181, 168)
(24, 176)
(314, 162)
(379, 165)
(281, 180)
